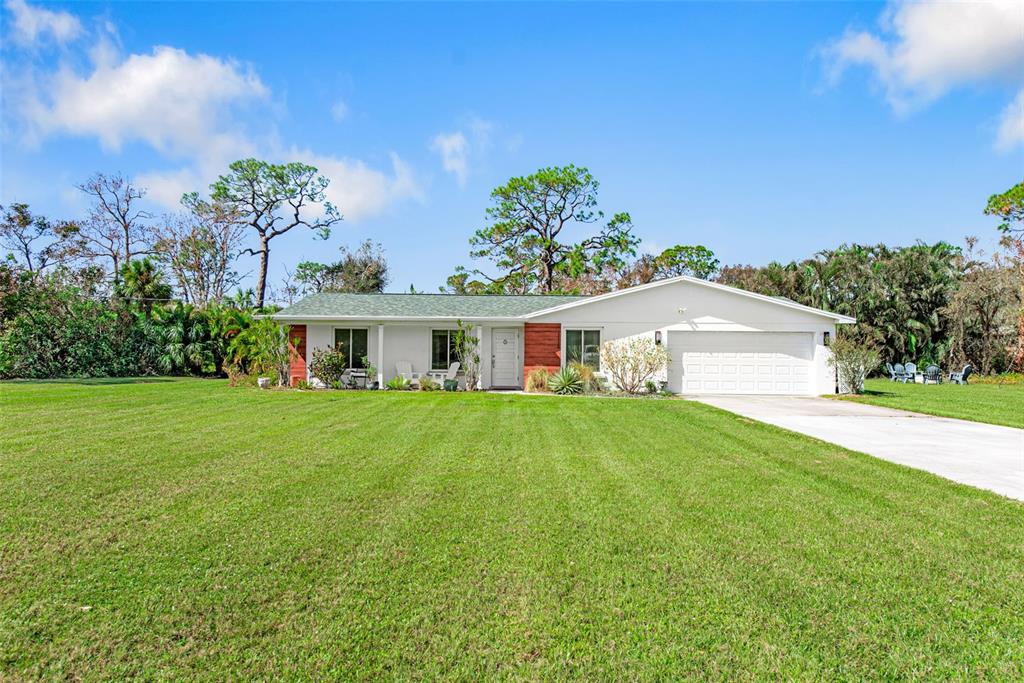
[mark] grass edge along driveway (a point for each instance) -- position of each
(183, 529)
(990, 403)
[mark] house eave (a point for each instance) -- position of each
(391, 318)
(836, 317)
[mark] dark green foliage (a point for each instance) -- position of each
(1008, 206)
(526, 237)
(364, 271)
(62, 324)
(682, 259)
(57, 326)
(262, 347)
(142, 283)
(273, 199)
(895, 293)
(184, 340)
(328, 365)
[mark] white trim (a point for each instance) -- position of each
(843, 319)
(430, 361)
(374, 318)
(380, 356)
(334, 339)
(581, 328)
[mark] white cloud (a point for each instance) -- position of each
(454, 151)
(481, 131)
(34, 23)
(339, 111)
(1011, 124)
(170, 99)
(166, 187)
(928, 48)
(191, 108)
(462, 150)
(358, 190)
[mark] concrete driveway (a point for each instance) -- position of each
(982, 455)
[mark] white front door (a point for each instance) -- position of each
(505, 358)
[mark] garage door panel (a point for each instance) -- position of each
(741, 362)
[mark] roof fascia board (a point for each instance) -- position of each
(843, 319)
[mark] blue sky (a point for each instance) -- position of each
(764, 131)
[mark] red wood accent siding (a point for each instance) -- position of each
(542, 347)
(297, 367)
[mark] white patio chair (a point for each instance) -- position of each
(404, 369)
(440, 376)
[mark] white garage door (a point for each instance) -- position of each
(741, 362)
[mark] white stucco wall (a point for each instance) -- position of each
(675, 306)
(685, 306)
(402, 342)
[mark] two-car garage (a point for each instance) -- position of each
(740, 362)
(720, 340)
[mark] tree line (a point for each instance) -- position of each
(83, 297)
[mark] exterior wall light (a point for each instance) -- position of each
(657, 337)
(826, 338)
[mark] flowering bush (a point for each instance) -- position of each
(853, 362)
(631, 362)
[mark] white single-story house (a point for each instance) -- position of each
(721, 340)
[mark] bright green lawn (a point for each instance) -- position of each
(992, 403)
(183, 529)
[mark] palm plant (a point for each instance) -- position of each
(184, 339)
(262, 348)
(226, 323)
(143, 283)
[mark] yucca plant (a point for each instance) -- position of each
(566, 381)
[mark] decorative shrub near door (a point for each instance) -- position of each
(633, 361)
(329, 365)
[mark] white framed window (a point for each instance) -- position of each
(354, 343)
(583, 346)
(442, 349)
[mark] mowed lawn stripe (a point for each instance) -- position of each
(366, 535)
(998, 404)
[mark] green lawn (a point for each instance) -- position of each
(183, 529)
(992, 403)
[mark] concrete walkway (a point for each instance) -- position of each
(982, 455)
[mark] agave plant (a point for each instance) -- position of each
(566, 381)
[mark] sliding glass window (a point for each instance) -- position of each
(353, 343)
(583, 346)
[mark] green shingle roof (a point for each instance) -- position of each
(421, 305)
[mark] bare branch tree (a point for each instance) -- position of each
(199, 247)
(116, 228)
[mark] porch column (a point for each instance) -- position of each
(380, 356)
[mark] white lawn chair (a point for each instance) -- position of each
(439, 376)
(404, 369)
